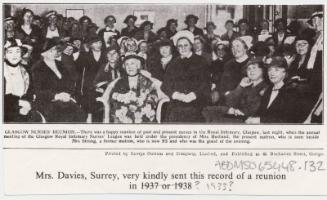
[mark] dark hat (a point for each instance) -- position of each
(319, 14)
(50, 13)
(83, 18)
(255, 60)
(277, 61)
(53, 42)
(308, 35)
(259, 49)
(11, 42)
(280, 20)
(93, 39)
(165, 42)
(171, 21)
(210, 24)
(145, 24)
(161, 30)
(128, 17)
(242, 21)
(10, 18)
(93, 25)
(72, 39)
(108, 17)
(113, 47)
(135, 57)
(188, 17)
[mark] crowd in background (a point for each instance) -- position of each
(56, 69)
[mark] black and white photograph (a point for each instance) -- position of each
(162, 63)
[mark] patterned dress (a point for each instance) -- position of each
(133, 105)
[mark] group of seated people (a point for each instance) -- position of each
(65, 70)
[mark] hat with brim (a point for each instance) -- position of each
(255, 60)
(183, 34)
(93, 39)
(15, 43)
(53, 42)
(10, 18)
(146, 23)
(108, 17)
(111, 48)
(165, 42)
(129, 17)
(319, 14)
(51, 13)
(210, 24)
(188, 17)
(134, 56)
(308, 35)
(277, 61)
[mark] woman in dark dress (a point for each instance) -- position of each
(233, 74)
(29, 34)
(186, 82)
(159, 64)
(131, 29)
(53, 87)
(281, 102)
(191, 21)
(145, 32)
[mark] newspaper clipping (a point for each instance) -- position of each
(163, 98)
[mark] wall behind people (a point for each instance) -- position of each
(98, 12)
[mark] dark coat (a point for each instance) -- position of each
(107, 73)
(89, 70)
(232, 75)
(196, 31)
(129, 33)
(185, 76)
(46, 86)
(156, 68)
(286, 108)
(217, 69)
(246, 99)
